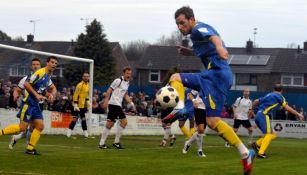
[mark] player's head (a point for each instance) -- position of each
(246, 92)
(278, 88)
(185, 19)
(52, 62)
(127, 72)
(35, 64)
(85, 77)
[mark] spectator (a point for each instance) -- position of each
(225, 113)
(281, 114)
(302, 111)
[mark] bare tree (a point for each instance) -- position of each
(174, 39)
(134, 50)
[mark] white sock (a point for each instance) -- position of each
(85, 133)
(119, 133)
(104, 135)
(68, 132)
(192, 139)
(199, 141)
(243, 150)
(250, 137)
(180, 104)
(20, 136)
(167, 133)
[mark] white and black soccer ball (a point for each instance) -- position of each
(167, 97)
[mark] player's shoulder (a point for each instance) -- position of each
(202, 28)
(41, 72)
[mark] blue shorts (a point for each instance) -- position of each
(214, 84)
(28, 112)
(263, 122)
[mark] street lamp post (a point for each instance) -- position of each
(34, 21)
(255, 33)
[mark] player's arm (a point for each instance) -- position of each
(16, 93)
(185, 50)
(107, 98)
(30, 89)
(216, 40)
(291, 110)
(51, 93)
(76, 96)
(129, 100)
(234, 108)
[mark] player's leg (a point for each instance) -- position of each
(15, 138)
(167, 132)
(200, 119)
(236, 126)
(178, 81)
(264, 124)
(191, 122)
(120, 129)
(83, 121)
(248, 126)
(183, 129)
(36, 133)
(73, 123)
(22, 126)
(105, 133)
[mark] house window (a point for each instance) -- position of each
(292, 79)
(19, 71)
(246, 79)
(154, 76)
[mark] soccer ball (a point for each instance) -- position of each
(167, 97)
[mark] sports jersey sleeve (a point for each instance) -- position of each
(237, 102)
(283, 101)
(33, 78)
(21, 83)
(50, 82)
(205, 32)
(115, 83)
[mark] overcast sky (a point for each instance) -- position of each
(278, 22)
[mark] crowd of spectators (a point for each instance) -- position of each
(145, 105)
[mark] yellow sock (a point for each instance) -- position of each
(225, 131)
(179, 87)
(266, 142)
(184, 131)
(192, 130)
(34, 139)
(11, 129)
(259, 141)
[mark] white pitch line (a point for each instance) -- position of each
(15, 172)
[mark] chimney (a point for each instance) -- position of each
(299, 51)
(30, 38)
(185, 42)
(249, 46)
(72, 43)
(305, 46)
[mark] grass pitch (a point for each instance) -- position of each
(143, 156)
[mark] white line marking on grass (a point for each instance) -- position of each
(15, 172)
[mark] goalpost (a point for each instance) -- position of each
(91, 71)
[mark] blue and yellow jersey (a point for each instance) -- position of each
(39, 81)
(204, 48)
(81, 94)
(271, 101)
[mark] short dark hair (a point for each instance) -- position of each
(126, 69)
(186, 11)
(51, 57)
(278, 87)
(36, 59)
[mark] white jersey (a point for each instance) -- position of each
(120, 88)
(201, 104)
(242, 105)
(21, 83)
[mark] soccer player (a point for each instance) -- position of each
(214, 82)
(18, 92)
(81, 103)
(200, 120)
(35, 86)
(167, 129)
(265, 105)
(189, 114)
(242, 110)
(115, 94)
